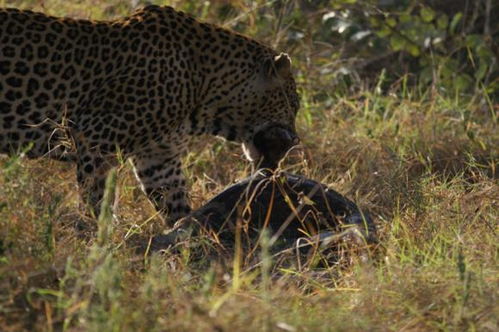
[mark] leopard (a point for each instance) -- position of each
(139, 87)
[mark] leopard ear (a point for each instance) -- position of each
(279, 67)
(283, 65)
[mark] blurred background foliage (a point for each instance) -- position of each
(342, 46)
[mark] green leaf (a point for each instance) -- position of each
(426, 75)
(391, 22)
(406, 18)
(427, 14)
(455, 21)
(383, 32)
(482, 70)
(474, 41)
(484, 53)
(442, 22)
(374, 22)
(413, 50)
(397, 42)
(462, 82)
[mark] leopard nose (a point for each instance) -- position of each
(281, 138)
(288, 138)
(281, 133)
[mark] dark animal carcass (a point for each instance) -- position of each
(290, 207)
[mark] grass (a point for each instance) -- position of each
(424, 164)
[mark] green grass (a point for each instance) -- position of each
(423, 163)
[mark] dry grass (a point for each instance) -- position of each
(434, 198)
(425, 166)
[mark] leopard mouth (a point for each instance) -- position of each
(269, 145)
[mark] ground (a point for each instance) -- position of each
(423, 163)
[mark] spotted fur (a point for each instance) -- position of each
(140, 86)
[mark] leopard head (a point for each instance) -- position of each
(262, 109)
